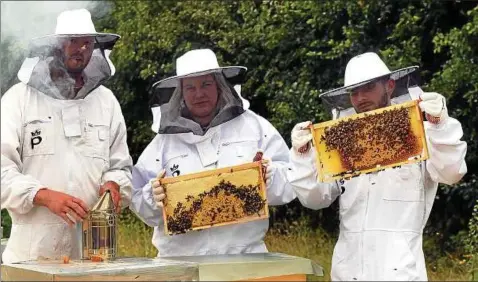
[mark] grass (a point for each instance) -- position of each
(298, 240)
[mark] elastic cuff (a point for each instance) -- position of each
(308, 156)
(148, 196)
(33, 192)
(438, 126)
(117, 177)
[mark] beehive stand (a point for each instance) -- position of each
(217, 197)
(371, 141)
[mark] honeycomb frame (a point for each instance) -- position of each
(335, 162)
(183, 191)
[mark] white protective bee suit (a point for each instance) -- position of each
(383, 214)
(68, 145)
(232, 142)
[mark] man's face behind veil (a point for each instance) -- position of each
(373, 95)
(77, 53)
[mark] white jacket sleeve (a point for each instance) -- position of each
(142, 202)
(279, 191)
(17, 189)
(446, 163)
(120, 160)
(303, 178)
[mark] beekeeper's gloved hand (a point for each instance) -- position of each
(301, 137)
(269, 170)
(158, 190)
(434, 106)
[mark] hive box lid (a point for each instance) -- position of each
(123, 269)
(250, 266)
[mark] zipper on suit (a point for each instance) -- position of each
(421, 182)
(368, 184)
(237, 141)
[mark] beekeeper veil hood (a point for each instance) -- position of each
(363, 69)
(170, 113)
(46, 56)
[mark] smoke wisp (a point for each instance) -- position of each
(23, 20)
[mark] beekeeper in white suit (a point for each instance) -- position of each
(205, 124)
(63, 140)
(382, 214)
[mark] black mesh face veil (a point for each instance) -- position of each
(174, 117)
(338, 102)
(36, 69)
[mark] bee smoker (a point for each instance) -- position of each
(97, 233)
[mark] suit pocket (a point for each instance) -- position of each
(38, 137)
(178, 164)
(97, 139)
(237, 152)
(404, 185)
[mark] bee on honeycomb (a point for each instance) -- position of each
(375, 139)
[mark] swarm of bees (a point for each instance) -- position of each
(376, 139)
(222, 203)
